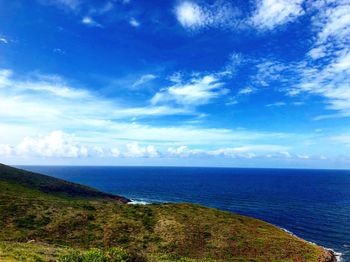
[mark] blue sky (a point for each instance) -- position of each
(259, 83)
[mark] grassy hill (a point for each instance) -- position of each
(47, 219)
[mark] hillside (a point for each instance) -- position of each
(47, 219)
(52, 185)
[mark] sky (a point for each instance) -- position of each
(258, 83)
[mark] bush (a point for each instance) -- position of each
(97, 255)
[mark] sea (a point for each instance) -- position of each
(311, 204)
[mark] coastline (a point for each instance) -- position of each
(329, 255)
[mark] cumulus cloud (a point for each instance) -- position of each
(190, 14)
(181, 151)
(135, 150)
(272, 13)
(196, 91)
(56, 144)
(194, 16)
(115, 152)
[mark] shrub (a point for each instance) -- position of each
(97, 255)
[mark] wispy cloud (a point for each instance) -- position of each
(246, 91)
(49, 84)
(272, 13)
(326, 72)
(196, 91)
(66, 4)
(107, 7)
(40, 106)
(250, 151)
(144, 79)
(3, 40)
(276, 104)
(325, 69)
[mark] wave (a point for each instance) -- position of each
(138, 202)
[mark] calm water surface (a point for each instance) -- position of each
(313, 204)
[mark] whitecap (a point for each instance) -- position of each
(138, 202)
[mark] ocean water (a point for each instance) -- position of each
(312, 204)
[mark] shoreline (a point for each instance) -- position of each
(335, 256)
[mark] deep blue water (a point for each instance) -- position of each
(313, 204)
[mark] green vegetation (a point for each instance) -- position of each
(37, 224)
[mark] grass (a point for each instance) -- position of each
(64, 228)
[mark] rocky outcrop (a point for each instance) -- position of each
(328, 256)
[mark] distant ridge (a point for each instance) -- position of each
(52, 185)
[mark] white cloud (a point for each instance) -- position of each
(144, 79)
(152, 111)
(115, 152)
(332, 27)
(59, 51)
(181, 151)
(135, 150)
(48, 84)
(88, 20)
(190, 14)
(5, 80)
(52, 97)
(272, 13)
(343, 139)
(197, 91)
(277, 104)
(3, 40)
(56, 144)
(133, 22)
(303, 156)
(106, 8)
(5, 150)
(66, 4)
(250, 151)
(193, 16)
(326, 70)
(97, 120)
(246, 91)
(269, 71)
